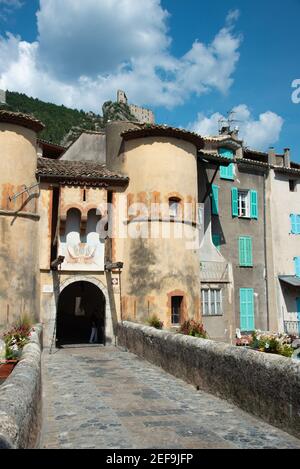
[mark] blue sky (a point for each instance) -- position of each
(182, 58)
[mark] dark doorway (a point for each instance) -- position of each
(79, 306)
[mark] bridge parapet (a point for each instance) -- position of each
(265, 385)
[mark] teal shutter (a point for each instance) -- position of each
(295, 222)
(216, 238)
(234, 199)
(298, 224)
(247, 321)
(254, 205)
(245, 251)
(297, 266)
(215, 200)
(226, 172)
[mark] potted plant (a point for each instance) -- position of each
(14, 340)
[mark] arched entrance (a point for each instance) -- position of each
(79, 304)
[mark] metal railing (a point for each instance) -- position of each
(292, 327)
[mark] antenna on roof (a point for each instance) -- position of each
(225, 125)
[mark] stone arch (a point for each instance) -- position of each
(60, 287)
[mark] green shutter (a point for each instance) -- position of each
(247, 321)
(216, 238)
(297, 266)
(234, 199)
(245, 251)
(227, 172)
(215, 200)
(295, 222)
(254, 205)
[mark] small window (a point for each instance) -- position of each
(176, 309)
(244, 204)
(292, 184)
(212, 302)
(174, 207)
(84, 195)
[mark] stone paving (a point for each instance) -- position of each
(106, 398)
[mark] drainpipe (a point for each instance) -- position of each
(265, 249)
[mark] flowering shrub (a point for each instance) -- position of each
(280, 344)
(154, 321)
(193, 328)
(15, 339)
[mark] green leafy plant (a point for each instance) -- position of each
(154, 321)
(194, 329)
(17, 337)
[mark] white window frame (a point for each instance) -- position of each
(212, 307)
(246, 194)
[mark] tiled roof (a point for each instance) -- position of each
(25, 120)
(284, 169)
(77, 172)
(152, 130)
(213, 157)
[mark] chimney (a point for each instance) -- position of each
(287, 158)
(272, 156)
(2, 97)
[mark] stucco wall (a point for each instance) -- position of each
(158, 264)
(20, 399)
(90, 146)
(267, 386)
(282, 245)
(19, 263)
(231, 228)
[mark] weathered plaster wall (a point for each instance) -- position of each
(90, 146)
(265, 385)
(19, 256)
(20, 399)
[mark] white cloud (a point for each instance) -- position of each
(259, 134)
(86, 50)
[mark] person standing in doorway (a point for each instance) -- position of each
(94, 332)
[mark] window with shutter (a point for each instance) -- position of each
(295, 223)
(247, 321)
(297, 266)
(245, 251)
(227, 172)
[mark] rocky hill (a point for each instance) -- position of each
(63, 124)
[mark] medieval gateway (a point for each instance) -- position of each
(143, 219)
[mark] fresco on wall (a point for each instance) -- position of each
(83, 250)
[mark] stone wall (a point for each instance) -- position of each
(267, 386)
(20, 399)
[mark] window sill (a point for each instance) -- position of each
(246, 266)
(212, 315)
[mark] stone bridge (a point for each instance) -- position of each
(105, 397)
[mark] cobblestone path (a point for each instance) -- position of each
(106, 398)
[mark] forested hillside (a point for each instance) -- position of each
(64, 124)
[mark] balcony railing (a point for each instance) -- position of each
(292, 327)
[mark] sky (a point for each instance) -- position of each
(191, 61)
